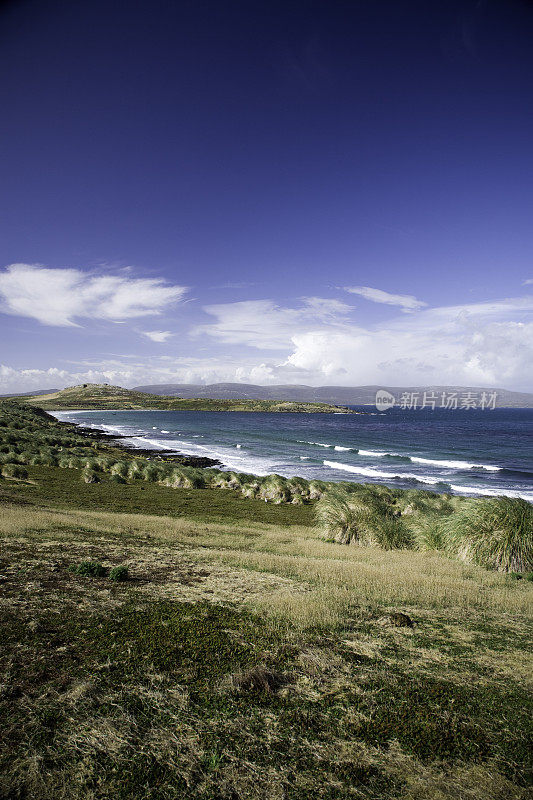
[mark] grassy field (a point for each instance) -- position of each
(105, 396)
(245, 656)
(54, 487)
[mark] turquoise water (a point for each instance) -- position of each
(466, 452)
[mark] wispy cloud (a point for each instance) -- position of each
(64, 296)
(528, 282)
(157, 336)
(266, 325)
(405, 301)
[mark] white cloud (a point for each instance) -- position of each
(406, 301)
(62, 296)
(267, 326)
(160, 370)
(528, 282)
(157, 336)
(475, 344)
(488, 343)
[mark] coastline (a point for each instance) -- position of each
(388, 464)
(117, 441)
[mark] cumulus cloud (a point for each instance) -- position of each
(63, 296)
(320, 341)
(157, 336)
(485, 344)
(405, 301)
(488, 343)
(117, 372)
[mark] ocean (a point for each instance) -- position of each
(468, 452)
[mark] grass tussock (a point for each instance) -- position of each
(495, 533)
(366, 517)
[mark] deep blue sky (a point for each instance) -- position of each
(268, 151)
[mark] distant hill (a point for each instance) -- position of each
(343, 395)
(95, 396)
(31, 394)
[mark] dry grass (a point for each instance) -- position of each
(337, 578)
(327, 669)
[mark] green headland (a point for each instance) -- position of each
(93, 395)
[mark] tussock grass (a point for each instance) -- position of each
(495, 533)
(89, 475)
(365, 516)
(275, 489)
(13, 471)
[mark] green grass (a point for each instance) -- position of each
(193, 699)
(58, 488)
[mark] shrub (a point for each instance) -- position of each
(274, 488)
(119, 468)
(120, 573)
(494, 533)
(14, 471)
(366, 515)
(427, 532)
(90, 569)
(89, 476)
(114, 478)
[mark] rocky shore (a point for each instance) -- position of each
(117, 440)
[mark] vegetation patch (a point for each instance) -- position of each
(120, 573)
(90, 569)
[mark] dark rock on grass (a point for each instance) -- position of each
(98, 435)
(199, 462)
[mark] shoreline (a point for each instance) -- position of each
(445, 485)
(163, 454)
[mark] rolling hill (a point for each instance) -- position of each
(93, 396)
(338, 395)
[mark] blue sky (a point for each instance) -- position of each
(297, 192)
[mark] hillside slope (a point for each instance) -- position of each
(337, 395)
(93, 396)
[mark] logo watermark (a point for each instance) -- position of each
(452, 401)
